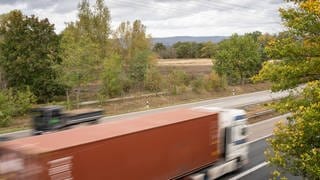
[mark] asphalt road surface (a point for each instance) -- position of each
(226, 102)
(257, 168)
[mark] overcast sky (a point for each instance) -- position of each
(165, 18)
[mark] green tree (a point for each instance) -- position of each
(139, 65)
(95, 23)
(237, 58)
(186, 49)
(130, 39)
(160, 49)
(264, 40)
(80, 59)
(14, 103)
(85, 45)
(133, 45)
(29, 50)
(295, 146)
(140, 41)
(170, 52)
(208, 50)
(114, 79)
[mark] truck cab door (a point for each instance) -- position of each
(236, 143)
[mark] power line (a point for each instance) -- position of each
(206, 4)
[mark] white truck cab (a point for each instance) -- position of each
(233, 132)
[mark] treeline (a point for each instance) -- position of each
(185, 50)
(38, 65)
(235, 59)
(189, 50)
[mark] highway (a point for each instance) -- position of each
(226, 102)
(257, 168)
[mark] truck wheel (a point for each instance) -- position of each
(96, 121)
(36, 133)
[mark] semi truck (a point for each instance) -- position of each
(52, 118)
(198, 143)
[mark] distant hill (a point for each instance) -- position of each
(168, 41)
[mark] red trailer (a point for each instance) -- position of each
(160, 146)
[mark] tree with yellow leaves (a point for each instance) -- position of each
(295, 146)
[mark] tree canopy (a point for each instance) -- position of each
(237, 58)
(134, 47)
(295, 147)
(29, 50)
(130, 39)
(85, 46)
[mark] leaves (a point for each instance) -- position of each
(295, 146)
(13, 103)
(114, 78)
(238, 58)
(29, 50)
(131, 39)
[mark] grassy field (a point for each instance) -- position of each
(190, 66)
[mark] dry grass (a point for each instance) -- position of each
(185, 62)
(190, 66)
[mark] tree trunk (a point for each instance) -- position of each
(78, 97)
(242, 79)
(68, 100)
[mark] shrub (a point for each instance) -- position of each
(6, 109)
(214, 82)
(14, 103)
(153, 80)
(113, 77)
(198, 84)
(23, 101)
(177, 82)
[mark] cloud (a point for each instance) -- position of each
(9, 2)
(168, 17)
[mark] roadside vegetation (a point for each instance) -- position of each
(88, 61)
(295, 146)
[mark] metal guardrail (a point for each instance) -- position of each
(124, 98)
(261, 113)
